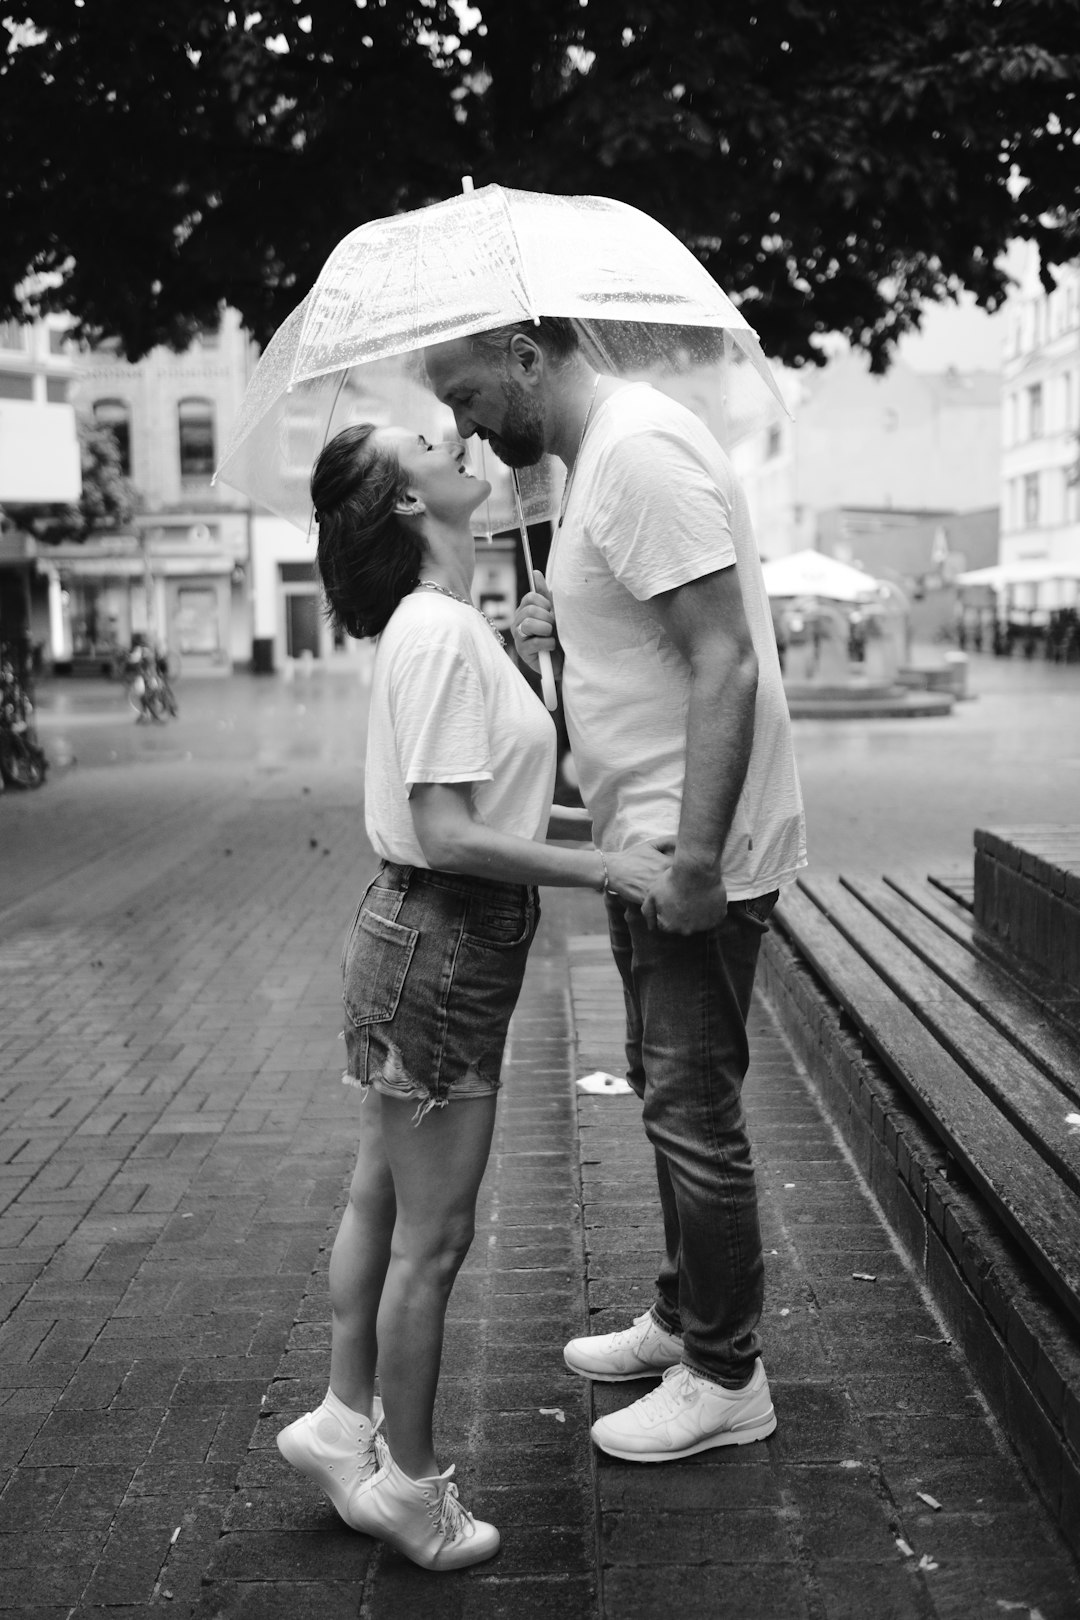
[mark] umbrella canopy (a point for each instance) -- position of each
(814, 573)
(1036, 572)
(352, 351)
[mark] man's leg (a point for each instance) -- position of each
(694, 996)
(666, 1307)
(687, 1001)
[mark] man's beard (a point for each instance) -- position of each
(520, 440)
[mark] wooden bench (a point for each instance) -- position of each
(1027, 897)
(952, 1065)
(992, 1074)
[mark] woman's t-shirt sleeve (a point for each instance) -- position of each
(438, 714)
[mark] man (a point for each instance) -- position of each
(679, 730)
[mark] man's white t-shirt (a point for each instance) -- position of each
(654, 504)
(448, 705)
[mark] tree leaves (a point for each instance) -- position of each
(833, 164)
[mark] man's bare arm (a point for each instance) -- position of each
(707, 623)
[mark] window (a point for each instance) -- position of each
(115, 414)
(58, 340)
(56, 390)
(13, 336)
(772, 444)
(1035, 411)
(196, 424)
(1031, 501)
(16, 385)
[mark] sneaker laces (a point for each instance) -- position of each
(448, 1514)
(672, 1392)
(375, 1460)
(633, 1334)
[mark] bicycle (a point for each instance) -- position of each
(23, 762)
(149, 691)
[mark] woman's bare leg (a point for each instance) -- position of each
(437, 1168)
(358, 1263)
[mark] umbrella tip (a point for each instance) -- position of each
(466, 183)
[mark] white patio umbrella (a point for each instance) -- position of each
(814, 573)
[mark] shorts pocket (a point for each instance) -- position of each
(377, 960)
(352, 926)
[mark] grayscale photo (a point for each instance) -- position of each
(540, 810)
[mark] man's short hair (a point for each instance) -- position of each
(556, 335)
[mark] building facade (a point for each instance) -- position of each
(217, 581)
(910, 441)
(182, 575)
(1040, 470)
(39, 463)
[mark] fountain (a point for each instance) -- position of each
(842, 637)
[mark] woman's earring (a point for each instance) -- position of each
(410, 506)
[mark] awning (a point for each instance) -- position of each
(1036, 572)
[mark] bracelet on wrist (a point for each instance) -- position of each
(605, 884)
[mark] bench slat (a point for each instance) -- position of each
(1036, 1207)
(1023, 1093)
(984, 986)
(1057, 1000)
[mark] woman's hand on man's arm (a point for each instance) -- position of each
(453, 839)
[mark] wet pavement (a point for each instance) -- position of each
(175, 1149)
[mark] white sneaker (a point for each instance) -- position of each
(641, 1351)
(422, 1518)
(336, 1457)
(685, 1415)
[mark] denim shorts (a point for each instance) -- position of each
(432, 971)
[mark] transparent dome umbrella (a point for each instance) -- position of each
(352, 351)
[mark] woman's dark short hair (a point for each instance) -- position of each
(368, 559)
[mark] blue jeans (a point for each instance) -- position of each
(687, 1000)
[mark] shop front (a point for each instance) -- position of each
(105, 591)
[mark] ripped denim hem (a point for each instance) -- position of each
(395, 1081)
(425, 1101)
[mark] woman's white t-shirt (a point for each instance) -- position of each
(448, 705)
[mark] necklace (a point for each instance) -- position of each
(577, 456)
(430, 585)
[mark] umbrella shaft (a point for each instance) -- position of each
(523, 526)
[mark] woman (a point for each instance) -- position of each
(459, 777)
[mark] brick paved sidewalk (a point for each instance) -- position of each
(175, 1151)
(874, 1405)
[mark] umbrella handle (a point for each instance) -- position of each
(547, 681)
(547, 671)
